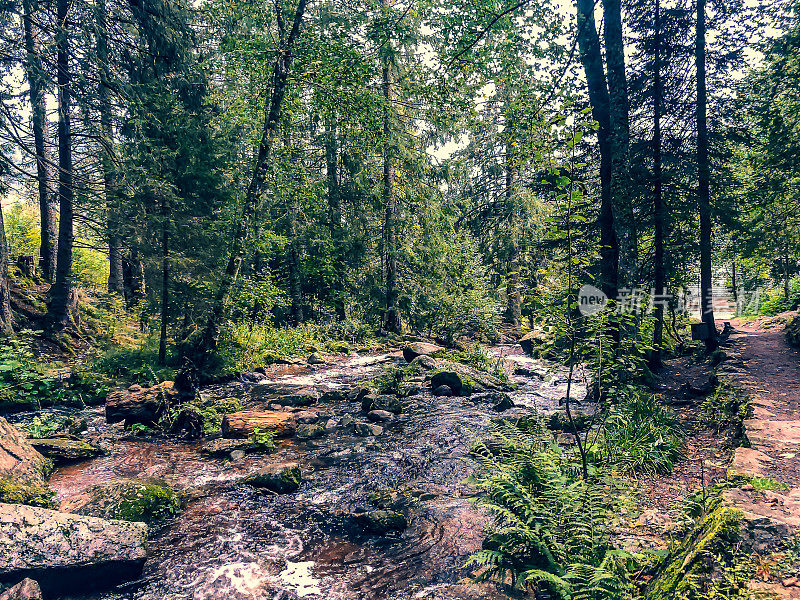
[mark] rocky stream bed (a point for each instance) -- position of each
(236, 541)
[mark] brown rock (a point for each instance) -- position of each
(65, 450)
(27, 589)
(416, 349)
(532, 340)
(138, 404)
(243, 424)
(18, 459)
(65, 552)
(748, 462)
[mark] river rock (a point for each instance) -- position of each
(19, 459)
(27, 589)
(302, 397)
(66, 552)
(449, 378)
(384, 402)
(442, 390)
(244, 423)
(504, 403)
(139, 500)
(381, 521)
(412, 351)
(380, 416)
(281, 478)
(316, 359)
(532, 340)
(366, 429)
(222, 447)
(64, 450)
(306, 417)
(309, 432)
(332, 396)
(138, 404)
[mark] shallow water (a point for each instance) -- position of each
(236, 542)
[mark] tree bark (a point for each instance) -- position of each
(6, 316)
(334, 210)
(283, 62)
(165, 222)
(392, 323)
(116, 278)
(704, 180)
(37, 85)
(58, 311)
(620, 142)
(659, 279)
(591, 58)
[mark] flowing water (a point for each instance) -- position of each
(236, 542)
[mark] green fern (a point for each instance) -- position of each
(551, 528)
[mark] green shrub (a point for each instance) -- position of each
(774, 301)
(43, 426)
(476, 357)
(726, 410)
(391, 380)
(640, 435)
(552, 528)
(135, 365)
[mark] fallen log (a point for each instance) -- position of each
(243, 424)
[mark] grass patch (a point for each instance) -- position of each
(16, 492)
(726, 410)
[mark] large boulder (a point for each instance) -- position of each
(20, 460)
(244, 423)
(27, 589)
(65, 450)
(140, 405)
(449, 378)
(67, 553)
(416, 349)
(532, 340)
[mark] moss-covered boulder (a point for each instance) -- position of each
(390, 404)
(139, 500)
(66, 450)
(381, 521)
(16, 492)
(281, 478)
(449, 378)
(20, 460)
(309, 431)
(415, 349)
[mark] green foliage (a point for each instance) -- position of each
(476, 357)
(391, 380)
(22, 230)
(134, 365)
(264, 439)
(552, 528)
(24, 386)
(43, 426)
(140, 429)
(640, 435)
(774, 301)
(147, 502)
(254, 298)
(726, 410)
(15, 492)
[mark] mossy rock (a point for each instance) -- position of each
(138, 500)
(710, 544)
(309, 431)
(15, 492)
(388, 403)
(449, 378)
(279, 478)
(382, 521)
(227, 405)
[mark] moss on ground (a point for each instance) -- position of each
(687, 573)
(147, 502)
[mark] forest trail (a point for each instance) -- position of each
(764, 363)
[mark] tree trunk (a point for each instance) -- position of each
(36, 81)
(334, 210)
(704, 176)
(283, 62)
(513, 296)
(116, 279)
(58, 311)
(392, 322)
(658, 198)
(162, 340)
(620, 142)
(243, 424)
(6, 316)
(591, 58)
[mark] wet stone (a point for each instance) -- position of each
(450, 379)
(316, 359)
(381, 521)
(367, 429)
(27, 589)
(385, 403)
(442, 390)
(303, 397)
(224, 447)
(380, 416)
(281, 478)
(306, 417)
(309, 432)
(332, 396)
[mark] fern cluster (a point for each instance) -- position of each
(551, 531)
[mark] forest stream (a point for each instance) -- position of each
(234, 541)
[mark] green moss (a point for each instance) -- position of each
(279, 480)
(709, 546)
(16, 492)
(147, 502)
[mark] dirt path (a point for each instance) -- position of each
(765, 364)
